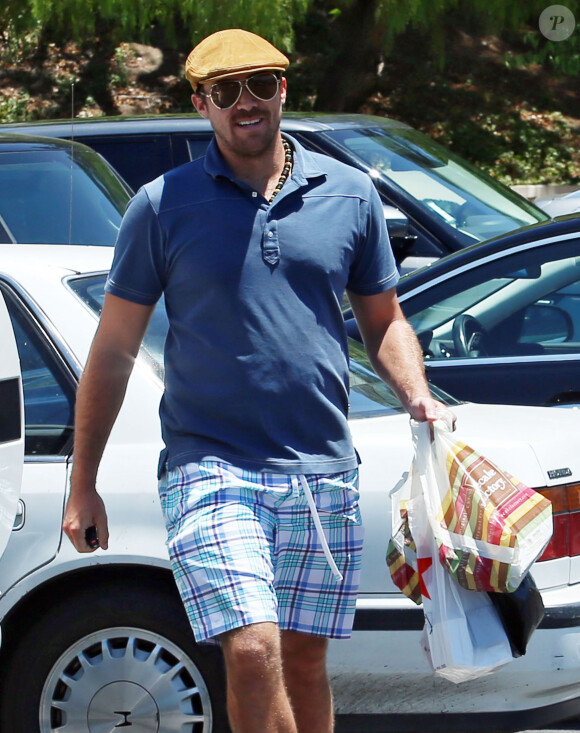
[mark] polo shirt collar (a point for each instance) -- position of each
(305, 165)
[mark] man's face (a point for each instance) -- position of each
(251, 126)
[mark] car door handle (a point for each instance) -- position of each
(20, 517)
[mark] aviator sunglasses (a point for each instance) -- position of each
(224, 94)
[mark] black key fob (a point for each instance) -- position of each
(91, 537)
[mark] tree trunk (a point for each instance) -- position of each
(95, 76)
(351, 73)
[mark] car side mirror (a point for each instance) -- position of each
(545, 323)
(398, 228)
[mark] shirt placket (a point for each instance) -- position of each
(270, 242)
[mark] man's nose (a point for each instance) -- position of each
(247, 99)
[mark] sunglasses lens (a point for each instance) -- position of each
(225, 94)
(263, 86)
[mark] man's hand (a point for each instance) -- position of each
(83, 511)
(428, 409)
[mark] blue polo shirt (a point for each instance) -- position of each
(256, 358)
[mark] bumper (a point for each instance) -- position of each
(382, 671)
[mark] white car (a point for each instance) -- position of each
(99, 642)
(568, 203)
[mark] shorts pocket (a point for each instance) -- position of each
(339, 497)
(171, 489)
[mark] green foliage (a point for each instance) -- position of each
(537, 153)
(436, 16)
(14, 108)
(16, 45)
(186, 21)
(560, 57)
(515, 145)
(384, 56)
(119, 76)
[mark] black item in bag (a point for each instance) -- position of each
(520, 612)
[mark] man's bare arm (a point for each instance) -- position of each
(395, 352)
(99, 398)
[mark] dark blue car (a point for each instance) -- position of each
(435, 202)
(500, 322)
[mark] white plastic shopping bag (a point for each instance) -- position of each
(489, 526)
(463, 635)
(464, 534)
(402, 552)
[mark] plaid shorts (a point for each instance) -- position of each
(245, 549)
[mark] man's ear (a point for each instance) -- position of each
(283, 89)
(200, 104)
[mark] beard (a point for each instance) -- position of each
(243, 140)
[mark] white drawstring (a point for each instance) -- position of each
(322, 537)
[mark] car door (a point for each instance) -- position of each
(11, 427)
(48, 388)
(505, 328)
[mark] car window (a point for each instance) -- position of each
(140, 158)
(189, 146)
(137, 158)
(197, 146)
(369, 395)
(456, 193)
(58, 197)
(49, 392)
(568, 300)
(526, 303)
(91, 290)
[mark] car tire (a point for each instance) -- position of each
(113, 656)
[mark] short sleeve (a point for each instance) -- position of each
(374, 269)
(137, 272)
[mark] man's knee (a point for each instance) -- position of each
(254, 648)
(303, 654)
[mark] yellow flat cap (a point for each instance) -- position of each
(231, 52)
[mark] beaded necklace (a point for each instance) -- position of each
(286, 171)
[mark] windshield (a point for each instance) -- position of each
(448, 188)
(53, 197)
(369, 395)
(444, 310)
(520, 303)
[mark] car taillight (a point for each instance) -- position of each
(565, 540)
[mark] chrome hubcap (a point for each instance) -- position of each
(125, 679)
(123, 705)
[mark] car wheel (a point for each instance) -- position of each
(124, 659)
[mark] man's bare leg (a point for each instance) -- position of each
(256, 695)
(304, 663)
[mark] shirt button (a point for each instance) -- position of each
(254, 194)
(270, 234)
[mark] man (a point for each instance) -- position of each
(253, 248)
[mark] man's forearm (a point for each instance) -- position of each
(395, 352)
(103, 384)
(99, 398)
(398, 360)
